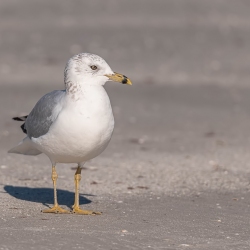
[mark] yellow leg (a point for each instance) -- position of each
(76, 207)
(56, 208)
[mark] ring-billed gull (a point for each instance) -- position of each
(72, 125)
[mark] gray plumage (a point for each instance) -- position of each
(44, 113)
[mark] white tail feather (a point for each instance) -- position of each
(25, 147)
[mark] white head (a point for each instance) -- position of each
(89, 69)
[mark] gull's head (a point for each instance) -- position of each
(91, 69)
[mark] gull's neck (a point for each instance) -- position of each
(78, 90)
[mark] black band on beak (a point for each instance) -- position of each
(116, 77)
(124, 80)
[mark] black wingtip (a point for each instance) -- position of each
(17, 119)
(20, 119)
(24, 128)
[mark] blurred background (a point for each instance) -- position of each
(160, 41)
(183, 125)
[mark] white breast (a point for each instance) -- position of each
(82, 130)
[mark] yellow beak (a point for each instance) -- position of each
(116, 77)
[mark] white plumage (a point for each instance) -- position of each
(76, 124)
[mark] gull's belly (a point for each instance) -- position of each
(77, 137)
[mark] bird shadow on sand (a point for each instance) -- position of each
(45, 195)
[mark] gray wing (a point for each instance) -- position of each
(44, 113)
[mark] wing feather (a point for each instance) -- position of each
(44, 113)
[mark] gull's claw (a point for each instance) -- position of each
(56, 210)
(78, 210)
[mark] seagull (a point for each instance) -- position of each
(72, 125)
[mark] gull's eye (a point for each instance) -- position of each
(93, 67)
